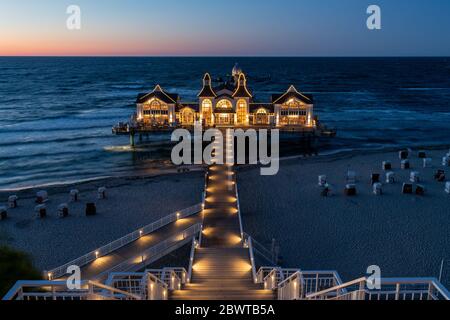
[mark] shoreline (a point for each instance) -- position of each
(172, 170)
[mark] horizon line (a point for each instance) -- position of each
(222, 56)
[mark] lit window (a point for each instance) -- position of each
(224, 104)
(241, 111)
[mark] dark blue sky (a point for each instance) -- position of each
(231, 27)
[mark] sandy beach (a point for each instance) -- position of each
(406, 235)
(131, 203)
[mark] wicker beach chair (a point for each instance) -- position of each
(74, 195)
(390, 177)
(420, 190)
(403, 155)
(375, 178)
(12, 201)
(41, 211)
(377, 189)
(407, 188)
(387, 165)
(405, 165)
(439, 175)
(3, 213)
(41, 197)
(414, 176)
(101, 193)
(322, 180)
(350, 190)
(63, 210)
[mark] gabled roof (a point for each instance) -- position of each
(225, 86)
(159, 94)
(292, 93)
(253, 107)
(207, 91)
(241, 89)
(224, 95)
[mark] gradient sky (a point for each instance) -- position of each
(225, 28)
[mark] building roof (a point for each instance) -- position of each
(225, 86)
(224, 95)
(292, 93)
(255, 106)
(207, 90)
(241, 89)
(159, 94)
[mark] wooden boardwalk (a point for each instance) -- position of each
(222, 266)
(98, 269)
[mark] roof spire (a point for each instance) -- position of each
(207, 91)
(241, 88)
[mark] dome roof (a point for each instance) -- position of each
(236, 70)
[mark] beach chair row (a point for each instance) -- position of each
(42, 198)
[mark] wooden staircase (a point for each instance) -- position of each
(221, 269)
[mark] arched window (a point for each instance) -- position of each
(187, 116)
(293, 112)
(262, 116)
(156, 111)
(241, 111)
(155, 105)
(261, 111)
(207, 111)
(224, 104)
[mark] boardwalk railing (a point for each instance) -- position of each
(260, 250)
(194, 245)
(57, 290)
(119, 243)
(157, 251)
(291, 288)
(252, 259)
(239, 209)
(146, 285)
(295, 284)
(391, 289)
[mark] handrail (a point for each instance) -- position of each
(431, 281)
(113, 290)
(252, 259)
(261, 250)
(336, 288)
(152, 292)
(396, 291)
(191, 259)
(88, 288)
(123, 241)
(289, 278)
(292, 287)
(241, 228)
(151, 252)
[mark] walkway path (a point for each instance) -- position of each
(98, 269)
(222, 267)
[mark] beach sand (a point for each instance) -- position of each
(131, 204)
(406, 235)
